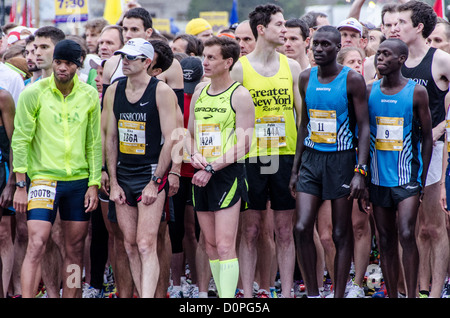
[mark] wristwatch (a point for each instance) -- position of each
(209, 169)
(157, 180)
(21, 184)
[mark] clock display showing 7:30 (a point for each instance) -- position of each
(70, 4)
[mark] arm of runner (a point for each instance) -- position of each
(443, 198)
(302, 130)
(105, 177)
(197, 160)
(177, 155)
(7, 110)
(24, 129)
(422, 111)
(358, 93)
(167, 104)
(116, 193)
(363, 201)
(94, 144)
(295, 71)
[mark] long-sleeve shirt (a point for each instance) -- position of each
(58, 138)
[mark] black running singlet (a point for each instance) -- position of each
(139, 128)
(422, 75)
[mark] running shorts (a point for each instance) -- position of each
(46, 196)
(326, 175)
(223, 190)
(390, 197)
(133, 180)
(268, 179)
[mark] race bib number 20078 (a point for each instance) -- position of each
(41, 194)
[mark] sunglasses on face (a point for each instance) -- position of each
(132, 57)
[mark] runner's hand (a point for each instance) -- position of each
(6, 199)
(363, 202)
(292, 184)
(357, 186)
(20, 201)
(117, 195)
(198, 161)
(201, 178)
(150, 193)
(174, 184)
(105, 183)
(91, 199)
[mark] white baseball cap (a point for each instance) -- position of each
(136, 47)
(351, 23)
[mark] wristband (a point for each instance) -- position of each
(361, 169)
(175, 173)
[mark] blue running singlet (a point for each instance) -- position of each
(394, 137)
(329, 121)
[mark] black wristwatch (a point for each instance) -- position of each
(209, 169)
(21, 184)
(157, 180)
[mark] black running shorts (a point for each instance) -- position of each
(326, 175)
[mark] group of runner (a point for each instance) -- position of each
(273, 148)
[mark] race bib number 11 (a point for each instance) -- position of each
(323, 126)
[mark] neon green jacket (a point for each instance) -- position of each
(56, 138)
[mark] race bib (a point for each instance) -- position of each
(132, 137)
(41, 194)
(323, 126)
(210, 140)
(271, 132)
(389, 133)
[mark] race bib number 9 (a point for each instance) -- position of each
(132, 137)
(389, 133)
(271, 131)
(41, 194)
(210, 140)
(323, 126)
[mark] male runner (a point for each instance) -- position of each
(141, 118)
(400, 152)
(297, 41)
(428, 67)
(334, 101)
(222, 126)
(57, 143)
(245, 37)
(30, 56)
(45, 40)
(272, 80)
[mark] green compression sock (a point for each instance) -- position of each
(215, 271)
(229, 275)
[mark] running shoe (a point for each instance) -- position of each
(355, 291)
(239, 293)
(262, 293)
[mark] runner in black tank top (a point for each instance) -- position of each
(422, 75)
(140, 138)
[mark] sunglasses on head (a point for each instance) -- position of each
(132, 57)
